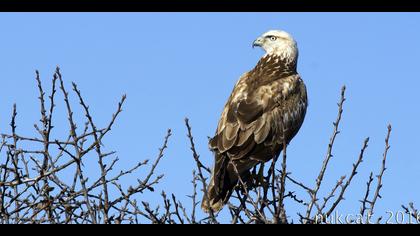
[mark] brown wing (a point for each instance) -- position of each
(250, 130)
(252, 113)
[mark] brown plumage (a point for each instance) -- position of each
(265, 101)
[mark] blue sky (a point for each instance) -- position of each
(177, 65)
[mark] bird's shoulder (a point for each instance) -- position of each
(249, 110)
(249, 100)
(257, 95)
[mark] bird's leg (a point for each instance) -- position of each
(247, 179)
(259, 179)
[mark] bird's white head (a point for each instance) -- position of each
(278, 42)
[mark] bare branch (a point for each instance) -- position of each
(329, 154)
(383, 168)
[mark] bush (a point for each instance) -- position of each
(35, 186)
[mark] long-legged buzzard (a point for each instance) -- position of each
(268, 104)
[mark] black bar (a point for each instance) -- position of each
(208, 6)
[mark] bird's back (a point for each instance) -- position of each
(267, 104)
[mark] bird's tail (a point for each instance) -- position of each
(220, 187)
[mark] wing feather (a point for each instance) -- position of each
(259, 115)
(262, 134)
(244, 135)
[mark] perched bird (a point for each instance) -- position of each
(268, 104)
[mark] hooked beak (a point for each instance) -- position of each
(257, 43)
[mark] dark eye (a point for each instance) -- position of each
(273, 38)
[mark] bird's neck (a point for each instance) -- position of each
(279, 63)
(271, 67)
(287, 53)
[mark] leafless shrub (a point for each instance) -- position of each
(43, 180)
(34, 187)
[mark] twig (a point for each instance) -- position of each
(353, 173)
(314, 192)
(200, 166)
(383, 168)
(365, 199)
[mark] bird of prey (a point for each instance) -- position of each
(268, 104)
